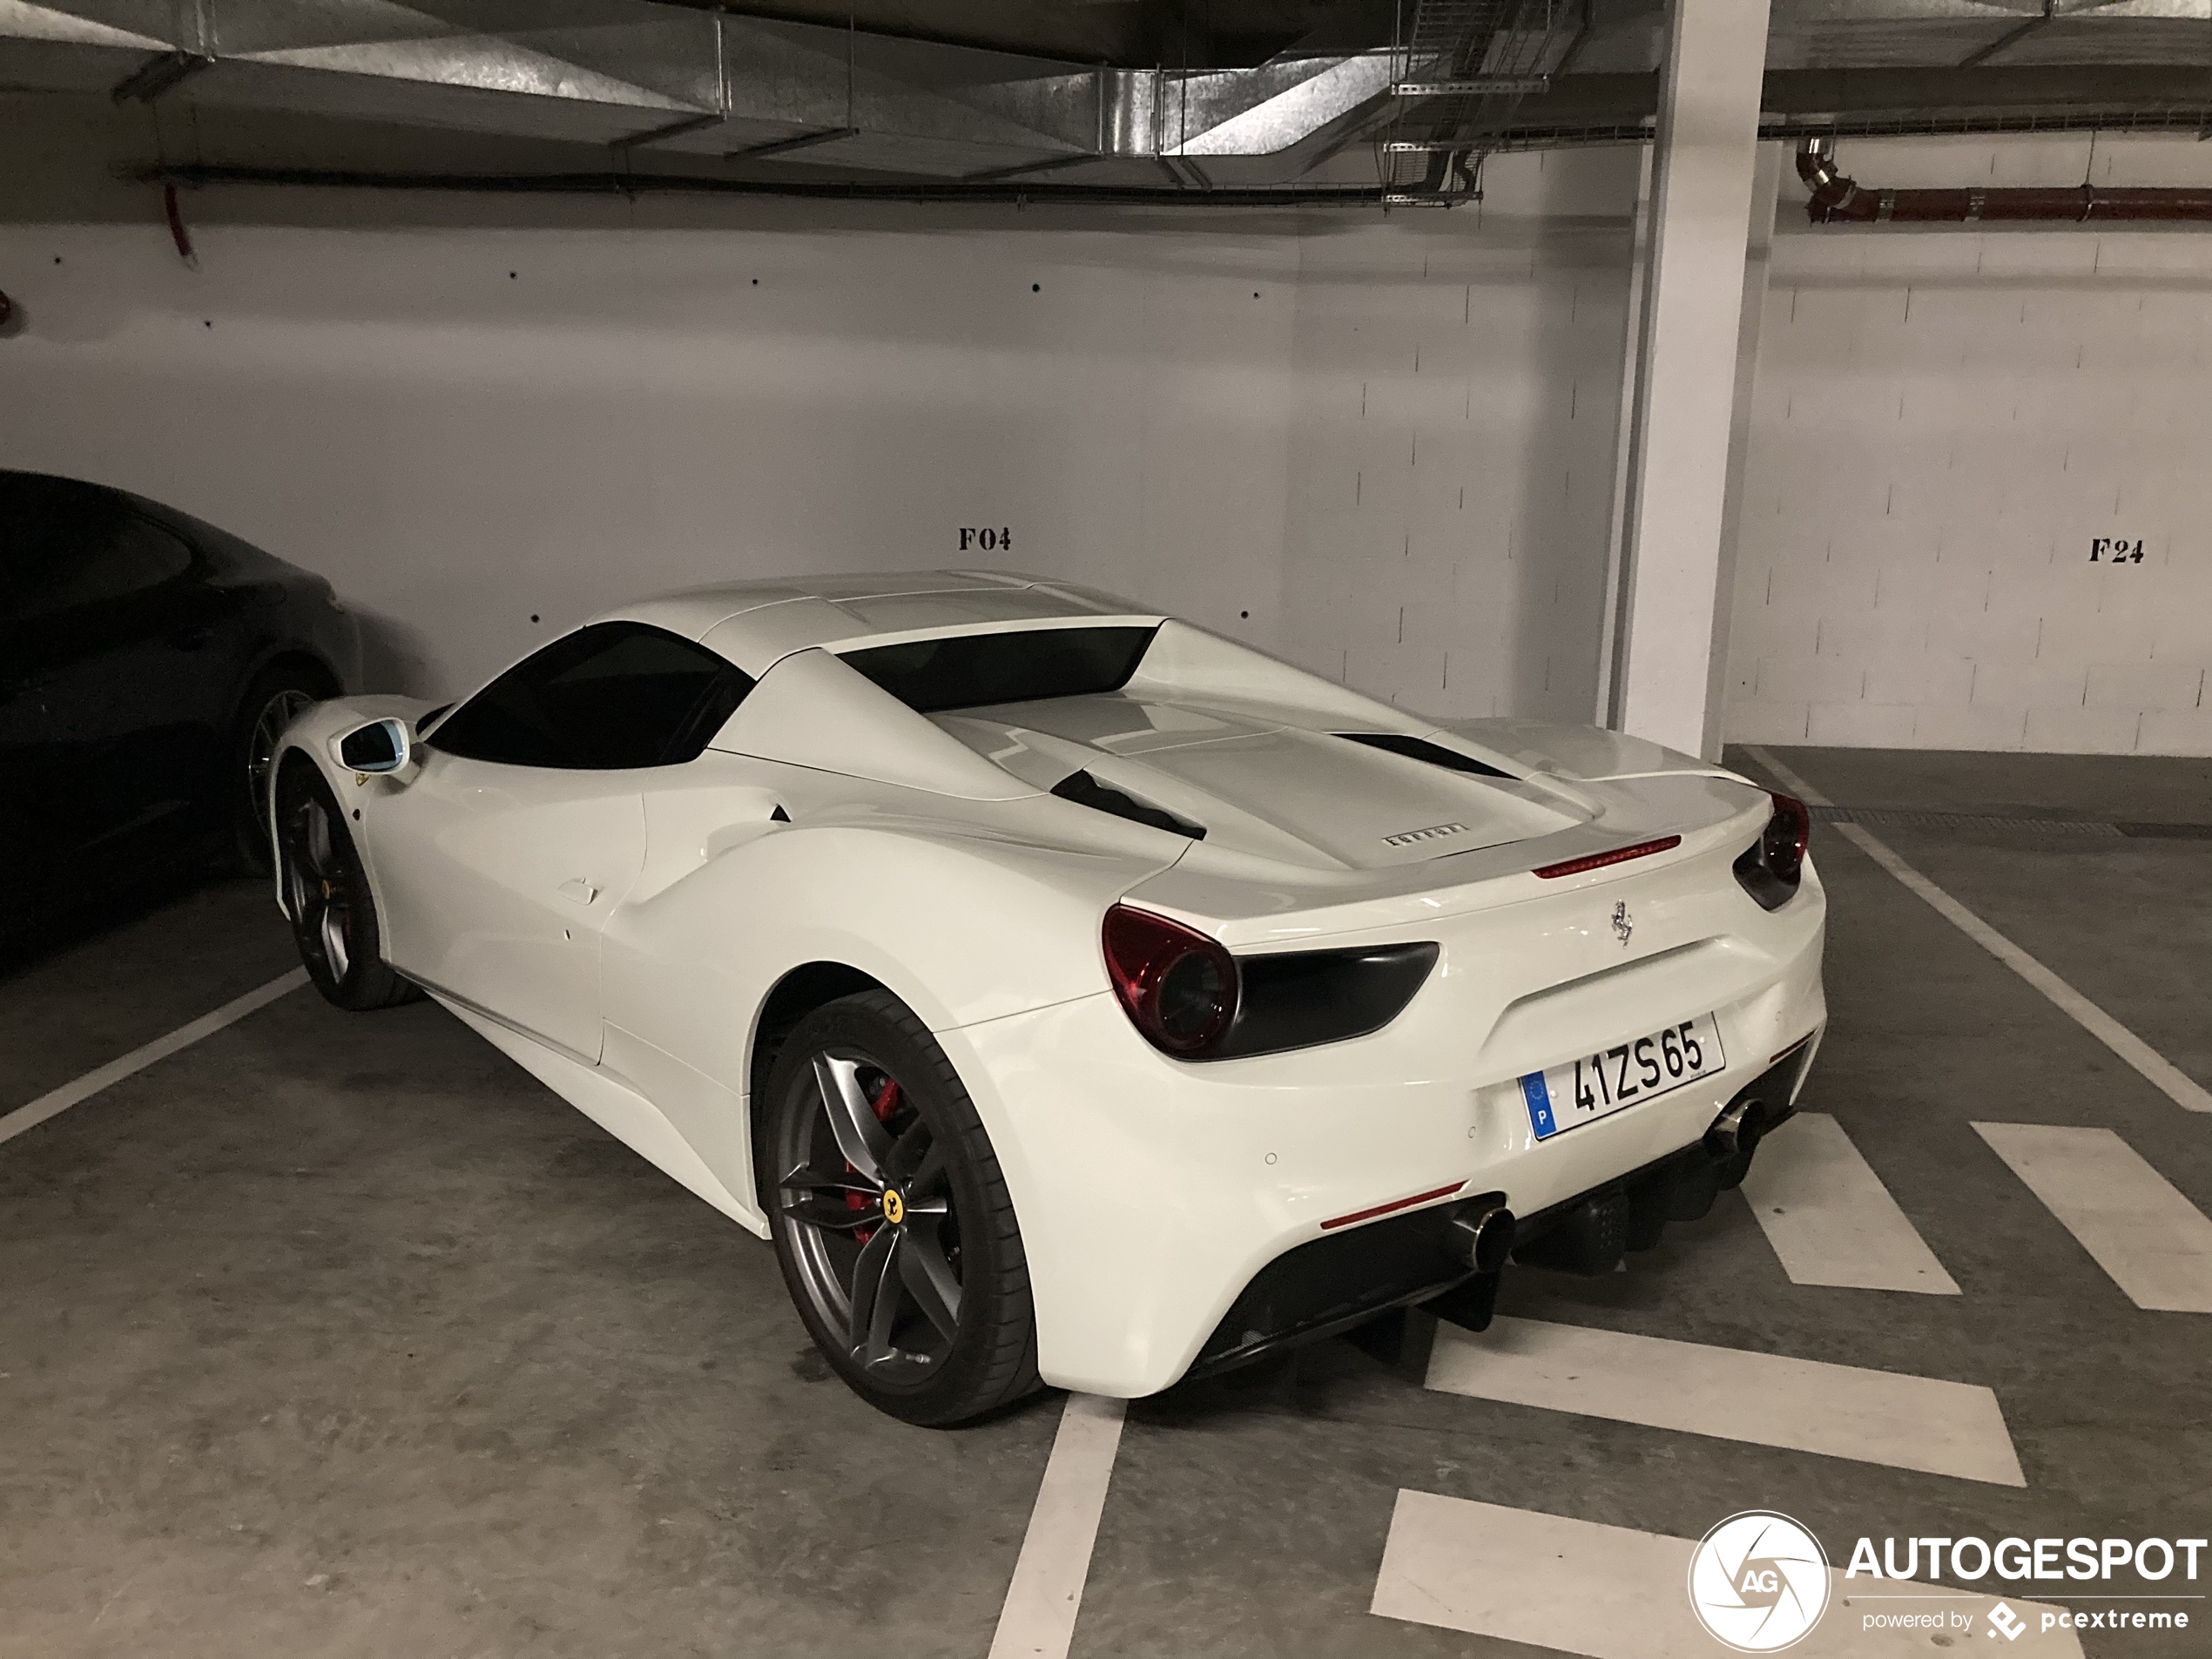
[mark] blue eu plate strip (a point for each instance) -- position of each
(1540, 1104)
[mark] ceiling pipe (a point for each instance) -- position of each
(1015, 192)
(1837, 199)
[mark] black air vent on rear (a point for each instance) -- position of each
(1421, 749)
(1086, 791)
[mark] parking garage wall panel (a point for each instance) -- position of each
(1458, 406)
(486, 418)
(482, 436)
(1947, 424)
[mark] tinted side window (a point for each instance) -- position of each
(973, 670)
(67, 547)
(615, 695)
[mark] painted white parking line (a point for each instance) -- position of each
(1767, 1399)
(1830, 1219)
(1614, 1593)
(1039, 1617)
(69, 1095)
(2161, 1073)
(2153, 1243)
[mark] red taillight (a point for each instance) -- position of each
(1771, 867)
(1788, 833)
(1599, 861)
(1177, 987)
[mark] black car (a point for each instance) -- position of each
(147, 663)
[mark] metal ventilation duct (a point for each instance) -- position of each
(639, 75)
(795, 100)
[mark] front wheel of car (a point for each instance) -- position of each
(327, 895)
(270, 703)
(891, 1221)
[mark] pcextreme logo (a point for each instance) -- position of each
(1758, 1581)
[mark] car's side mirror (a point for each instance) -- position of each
(381, 745)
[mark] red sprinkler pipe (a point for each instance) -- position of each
(1839, 200)
(177, 232)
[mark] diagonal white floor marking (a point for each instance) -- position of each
(69, 1095)
(2156, 1069)
(1614, 1593)
(1039, 1617)
(1733, 1394)
(2153, 1243)
(1830, 1219)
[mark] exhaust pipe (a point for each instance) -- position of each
(1736, 1131)
(1735, 1135)
(1483, 1237)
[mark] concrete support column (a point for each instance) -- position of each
(1669, 639)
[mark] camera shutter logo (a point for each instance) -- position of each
(1758, 1581)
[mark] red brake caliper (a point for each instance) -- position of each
(885, 1103)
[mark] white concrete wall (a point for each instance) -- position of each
(1383, 447)
(1394, 464)
(466, 429)
(1944, 421)
(1458, 381)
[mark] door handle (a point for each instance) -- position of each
(577, 888)
(192, 637)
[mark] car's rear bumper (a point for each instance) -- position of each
(1152, 1194)
(1341, 1280)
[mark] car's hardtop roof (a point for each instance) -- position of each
(754, 624)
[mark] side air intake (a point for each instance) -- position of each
(1086, 791)
(1421, 749)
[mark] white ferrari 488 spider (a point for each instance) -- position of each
(1072, 995)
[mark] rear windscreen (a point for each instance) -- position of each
(973, 670)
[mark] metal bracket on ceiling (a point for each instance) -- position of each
(1027, 169)
(1453, 176)
(2011, 38)
(1475, 87)
(157, 75)
(785, 146)
(672, 130)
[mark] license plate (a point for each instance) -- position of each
(1592, 1086)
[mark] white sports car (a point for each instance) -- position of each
(1072, 995)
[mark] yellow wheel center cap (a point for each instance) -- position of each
(895, 1208)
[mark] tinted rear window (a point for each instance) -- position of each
(973, 670)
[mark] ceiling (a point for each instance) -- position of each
(1063, 96)
(1135, 34)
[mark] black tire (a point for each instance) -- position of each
(276, 695)
(327, 895)
(923, 1238)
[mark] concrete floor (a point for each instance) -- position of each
(339, 1335)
